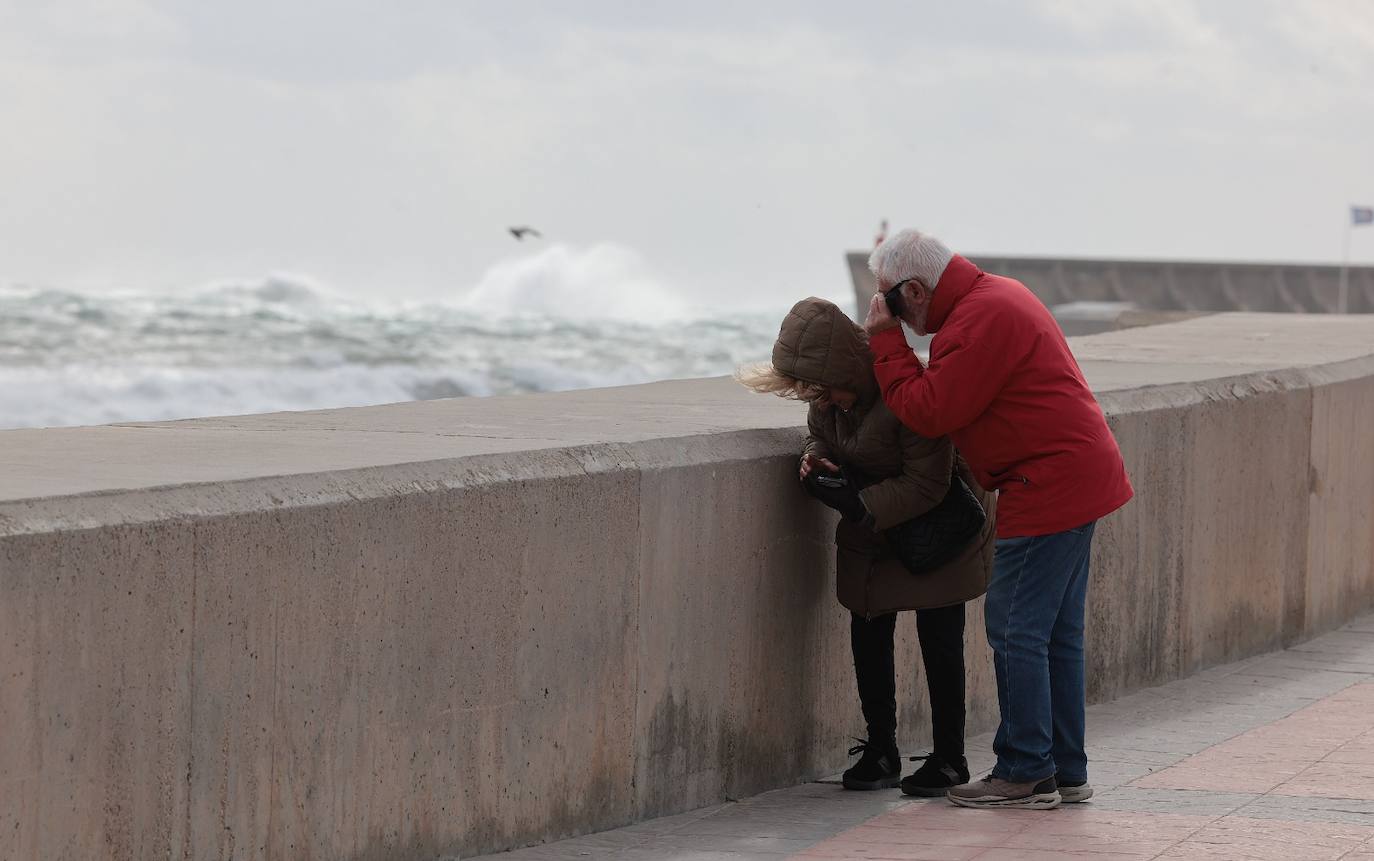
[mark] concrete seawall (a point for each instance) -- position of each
(447, 627)
(1171, 285)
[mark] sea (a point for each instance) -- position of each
(286, 343)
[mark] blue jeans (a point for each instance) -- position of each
(1034, 616)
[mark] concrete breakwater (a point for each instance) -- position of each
(1171, 285)
(447, 627)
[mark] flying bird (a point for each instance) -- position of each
(521, 232)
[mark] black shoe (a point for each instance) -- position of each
(935, 777)
(880, 767)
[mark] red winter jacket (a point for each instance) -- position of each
(1003, 385)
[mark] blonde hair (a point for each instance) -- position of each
(768, 380)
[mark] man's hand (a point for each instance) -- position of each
(810, 462)
(879, 317)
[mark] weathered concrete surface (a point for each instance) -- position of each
(457, 626)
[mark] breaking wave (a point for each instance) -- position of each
(561, 319)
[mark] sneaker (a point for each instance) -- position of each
(879, 767)
(936, 777)
(995, 792)
(1074, 791)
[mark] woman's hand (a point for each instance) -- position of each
(810, 462)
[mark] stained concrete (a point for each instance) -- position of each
(459, 626)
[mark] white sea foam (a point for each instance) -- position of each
(605, 281)
(561, 319)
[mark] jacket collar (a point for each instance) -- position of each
(868, 393)
(955, 283)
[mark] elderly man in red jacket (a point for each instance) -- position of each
(1002, 383)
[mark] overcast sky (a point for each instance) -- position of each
(738, 148)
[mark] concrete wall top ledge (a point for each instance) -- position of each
(74, 478)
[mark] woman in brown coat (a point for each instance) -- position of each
(822, 357)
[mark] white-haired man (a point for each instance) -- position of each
(1002, 383)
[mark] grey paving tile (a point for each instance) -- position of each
(1107, 753)
(667, 824)
(804, 832)
(1107, 774)
(1180, 731)
(1310, 809)
(1353, 673)
(1163, 744)
(1185, 801)
(1343, 641)
(732, 843)
(1251, 695)
(564, 850)
(1279, 674)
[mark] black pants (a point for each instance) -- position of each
(941, 633)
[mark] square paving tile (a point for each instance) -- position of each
(1330, 780)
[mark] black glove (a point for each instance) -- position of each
(843, 499)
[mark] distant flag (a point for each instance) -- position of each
(1362, 215)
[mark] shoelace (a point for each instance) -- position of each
(862, 746)
(948, 769)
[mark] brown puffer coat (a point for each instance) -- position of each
(819, 344)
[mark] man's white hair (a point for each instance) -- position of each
(910, 254)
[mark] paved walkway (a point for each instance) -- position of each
(1268, 758)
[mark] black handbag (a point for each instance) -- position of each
(923, 543)
(937, 537)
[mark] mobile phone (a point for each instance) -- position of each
(893, 298)
(831, 480)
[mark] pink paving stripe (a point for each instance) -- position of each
(1324, 750)
(937, 830)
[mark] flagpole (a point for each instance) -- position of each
(1343, 300)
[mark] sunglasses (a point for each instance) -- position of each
(893, 296)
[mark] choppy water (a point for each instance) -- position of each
(72, 359)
